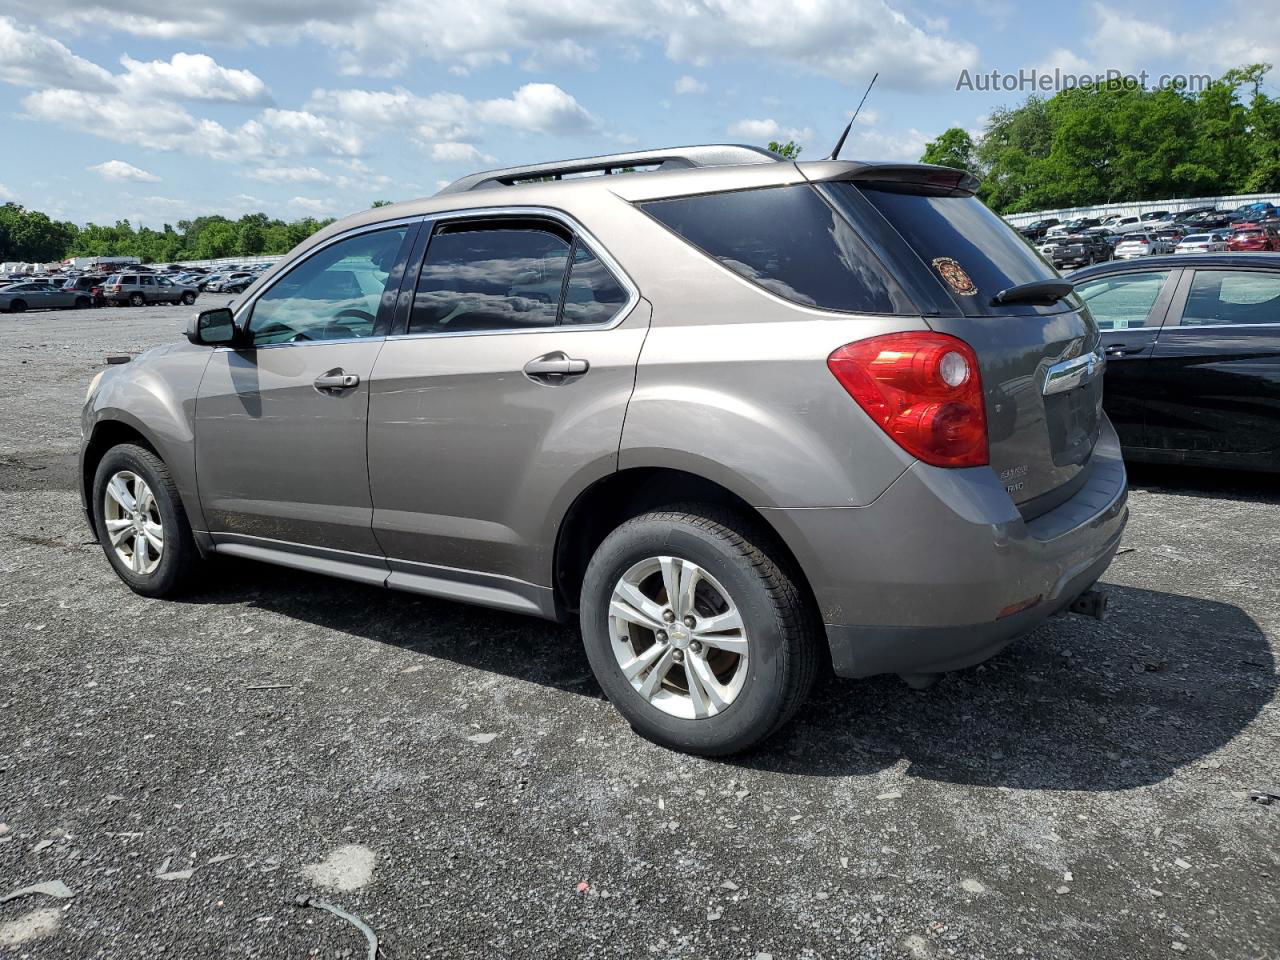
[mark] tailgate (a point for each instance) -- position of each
(1040, 370)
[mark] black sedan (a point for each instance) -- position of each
(1193, 356)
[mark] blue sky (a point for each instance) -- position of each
(160, 110)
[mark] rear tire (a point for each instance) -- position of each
(720, 690)
(188, 298)
(145, 568)
(137, 300)
(83, 303)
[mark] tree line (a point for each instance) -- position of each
(1115, 142)
(33, 237)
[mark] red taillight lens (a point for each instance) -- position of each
(924, 391)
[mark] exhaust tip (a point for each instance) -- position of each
(1091, 603)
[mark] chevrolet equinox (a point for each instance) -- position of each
(743, 417)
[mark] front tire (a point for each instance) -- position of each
(17, 306)
(141, 523)
(724, 664)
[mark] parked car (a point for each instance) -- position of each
(1193, 356)
(1036, 230)
(1154, 215)
(1253, 238)
(1202, 243)
(1075, 251)
(1127, 225)
(38, 295)
(238, 285)
(1253, 212)
(137, 290)
(1079, 225)
(529, 412)
(1141, 245)
(88, 284)
(218, 284)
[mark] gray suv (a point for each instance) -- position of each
(741, 417)
(140, 289)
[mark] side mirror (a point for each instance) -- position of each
(213, 328)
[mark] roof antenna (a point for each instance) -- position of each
(835, 154)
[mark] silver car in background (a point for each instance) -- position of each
(741, 417)
(39, 295)
(1202, 243)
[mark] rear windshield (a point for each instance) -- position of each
(948, 230)
(788, 241)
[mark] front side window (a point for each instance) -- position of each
(1220, 297)
(1122, 301)
(788, 241)
(332, 295)
(478, 278)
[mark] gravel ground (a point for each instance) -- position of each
(453, 776)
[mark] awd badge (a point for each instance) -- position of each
(955, 276)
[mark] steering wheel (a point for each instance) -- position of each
(354, 312)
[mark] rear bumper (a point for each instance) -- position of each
(917, 581)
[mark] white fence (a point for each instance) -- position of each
(1136, 209)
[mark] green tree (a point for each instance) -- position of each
(790, 150)
(380, 203)
(953, 148)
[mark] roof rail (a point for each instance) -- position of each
(670, 158)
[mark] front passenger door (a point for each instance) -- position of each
(280, 422)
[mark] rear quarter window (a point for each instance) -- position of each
(788, 241)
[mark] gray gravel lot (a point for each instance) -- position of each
(453, 776)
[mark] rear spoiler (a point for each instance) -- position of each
(927, 175)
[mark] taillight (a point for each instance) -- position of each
(924, 390)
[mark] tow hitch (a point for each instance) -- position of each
(1091, 603)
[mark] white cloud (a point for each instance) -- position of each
(311, 206)
(289, 175)
(768, 129)
(6, 193)
(540, 107)
(190, 76)
(536, 107)
(28, 58)
(903, 145)
(453, 152)
(272, 134)
(846, 40)
(119, 170)
(688, 84)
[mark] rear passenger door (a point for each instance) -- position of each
(500, 395)
(1129, 308)
(1217, 366)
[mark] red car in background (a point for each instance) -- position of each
(1253, 238)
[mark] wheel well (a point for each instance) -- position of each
(107, 434)
(615, 499)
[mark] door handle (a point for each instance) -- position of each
(1124, 349)
(554, 367)
(336, 380)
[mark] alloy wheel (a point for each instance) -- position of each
(134, 526)
(678, 637)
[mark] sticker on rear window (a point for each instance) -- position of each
(955, 276)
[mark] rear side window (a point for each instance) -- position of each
(946, 230)
(788, 241)
(500, 278)
(1220, 297)
(129, 280)
(592, 295)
